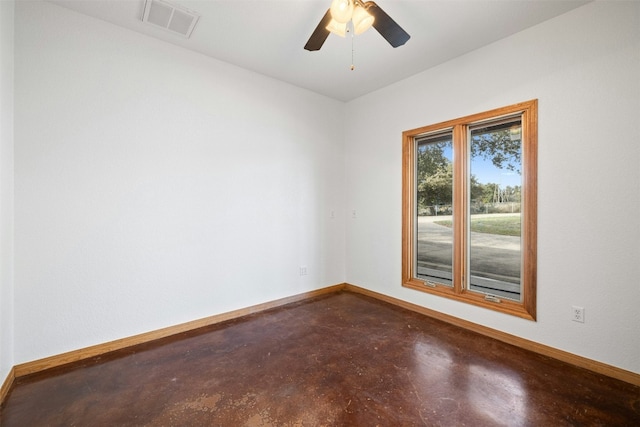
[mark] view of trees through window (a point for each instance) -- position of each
(434, 194)
(494, 192)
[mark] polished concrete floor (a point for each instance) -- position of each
(339, 360)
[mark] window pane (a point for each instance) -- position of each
(434, 208)
(495, 189)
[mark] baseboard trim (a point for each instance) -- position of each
(573, 359)
(7, 384)
(40, 365)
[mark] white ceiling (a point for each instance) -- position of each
(268, 36)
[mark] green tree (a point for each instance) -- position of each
(501, 146)
(488, 192)
(434, 175)
(477, 189)
(514, 193)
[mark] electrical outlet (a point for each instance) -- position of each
(577, 314)
(303, 271)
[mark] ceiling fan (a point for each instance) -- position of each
(362, 15)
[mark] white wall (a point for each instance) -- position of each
(154, 185)
(584, 67)
(6, 187)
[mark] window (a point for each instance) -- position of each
(469, 219)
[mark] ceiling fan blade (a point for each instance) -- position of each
(386, 26)
(320, 34)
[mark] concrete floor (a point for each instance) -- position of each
(339, 360)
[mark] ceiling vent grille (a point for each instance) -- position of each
(176, 19)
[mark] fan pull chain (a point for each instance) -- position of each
(353, 67)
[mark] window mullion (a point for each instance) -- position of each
(460, 168)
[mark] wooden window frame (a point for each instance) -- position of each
(526, 307)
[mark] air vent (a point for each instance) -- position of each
(177, 19)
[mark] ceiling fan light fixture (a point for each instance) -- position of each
(338, 28)
(341, 10)
(363, 15)
(362, 20)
